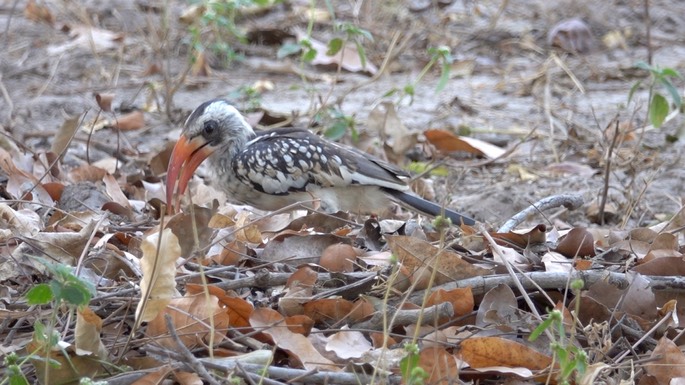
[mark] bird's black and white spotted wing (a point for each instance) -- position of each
(282, 161)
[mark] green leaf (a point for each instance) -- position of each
(16, 376)
(658, 110)
(390, 93)
(633, 89)
(334, 46)
(444, 77)
(40, 294)
(644, 66)
(336, 131)
(408, 363)
(671, 72)
(76, 294)
(309, 55)
(362, 53)
(540, 329)
(677, 100)
(288, 49)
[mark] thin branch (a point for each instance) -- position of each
(570, 201)
(191, 360)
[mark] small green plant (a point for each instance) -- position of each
(659, 107)
(412, 373)
(219, 19)
(336, 123)
(249, 95)
(438, 56)
(572, 359)
(63, 289)
(352, 34)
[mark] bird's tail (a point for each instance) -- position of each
(427, 207)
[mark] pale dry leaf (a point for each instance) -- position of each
(159, 272)
(571, 35)
(521, 372)
(64, 247)
(64, 135)
(555, 262)
(498, 307)
(88, 39)
(108, 164)
(639, 298)
(384, 120)
(21, 183)
(24, 222)
(114, 191)
(348, 344)
(87, 334)
(261, 357)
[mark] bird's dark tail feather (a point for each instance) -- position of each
(428, 207)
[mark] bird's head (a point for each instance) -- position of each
(214, 125)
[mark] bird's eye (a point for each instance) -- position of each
(209, 127)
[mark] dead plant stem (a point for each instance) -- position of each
(607, 174)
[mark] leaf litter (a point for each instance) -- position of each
(317, 297)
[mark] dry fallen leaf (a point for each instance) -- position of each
(420, 257)
(338, 258)
(446, 142)
(38, 13)
(328, 310)
(481, 352)
(132, 121)
(237, 309)
(272, 323)
(64, 135)
(571, 35)
(190, 316)
(159, 272)
(87, 334)
(88, 39)
(666, 362)
(104, 101)
(441, 366)
(348, 344)
(577, 243)
(384, 120)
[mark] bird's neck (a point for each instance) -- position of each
(221, 158)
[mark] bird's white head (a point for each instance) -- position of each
(213, 125)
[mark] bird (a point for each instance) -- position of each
(272, 169)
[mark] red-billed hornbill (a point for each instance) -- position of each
(273, 169)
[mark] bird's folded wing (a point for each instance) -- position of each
(282, 161)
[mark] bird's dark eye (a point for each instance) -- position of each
(209, 128)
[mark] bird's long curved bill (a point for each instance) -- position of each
(185, 159)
